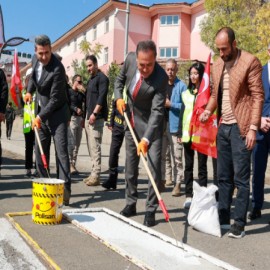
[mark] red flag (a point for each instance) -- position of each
(16, 84)
(203, 135)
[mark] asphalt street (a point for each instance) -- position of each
(71, 248)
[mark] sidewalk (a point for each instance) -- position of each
(16, 144)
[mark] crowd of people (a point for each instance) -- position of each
(152, 97)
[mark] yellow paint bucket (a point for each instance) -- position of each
(47, 195)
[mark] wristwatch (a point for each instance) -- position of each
(95, 114)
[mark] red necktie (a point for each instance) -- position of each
(134, 94)
(137, 87)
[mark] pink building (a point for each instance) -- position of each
(174, 28)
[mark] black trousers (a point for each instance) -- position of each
(118, 135)
(0, 145)
(59, 134)
(189, 166)
(9, 125)
(29, 147)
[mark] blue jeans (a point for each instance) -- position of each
(233, 169)
(259, 159)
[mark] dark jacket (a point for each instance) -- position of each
(148, 107)
(3, 92)
(10, 114)
(51, 90)
(96, 94)
(76, 100)
(114, 117)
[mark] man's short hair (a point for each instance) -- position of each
(42, 40)
(92, 58)
(229, 31)
(171, 60)
(146, 45)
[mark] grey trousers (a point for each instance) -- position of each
(75, 137)
(131, 172)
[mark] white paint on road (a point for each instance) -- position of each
(14, 252)
(146, 247)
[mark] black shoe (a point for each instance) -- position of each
(255, 213)
(28, 173)
(129, 211)
(149, 219)
(236, 231)
(109, 184)
(35, 174)
(112, 180)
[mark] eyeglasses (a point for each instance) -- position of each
(79, 82)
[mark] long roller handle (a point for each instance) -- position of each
(161, 202)
(43, 157)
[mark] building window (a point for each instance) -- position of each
(75, 44)
(84, 36)
(106, 57)
(106, 29)
(94, 32)
(169, 20)
(168, 52)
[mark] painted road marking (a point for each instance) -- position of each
(14, 252)
(141, 245)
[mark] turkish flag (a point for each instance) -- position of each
(16, 84)
(203, 135)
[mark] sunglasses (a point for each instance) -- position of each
(79, 82)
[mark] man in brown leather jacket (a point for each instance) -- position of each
(238, 96)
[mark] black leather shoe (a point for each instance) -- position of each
(129, 211)
(109, 184)
(149, 219)
(255, 213)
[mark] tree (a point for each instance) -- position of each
(86, 48)
(237, 14)
(113, 72)
(262, 22)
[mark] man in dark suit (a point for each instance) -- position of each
(48, 79)
(262, 148)
(146, 83)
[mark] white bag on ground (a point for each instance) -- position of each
(203, 212)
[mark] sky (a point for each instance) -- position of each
(28, 18)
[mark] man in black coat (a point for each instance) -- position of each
(48, 79)
(10, 117)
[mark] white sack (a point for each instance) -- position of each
(203, 212)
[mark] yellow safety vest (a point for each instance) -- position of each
(27, 122)
(189, 100)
